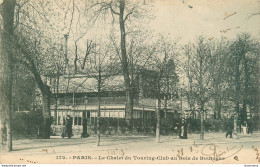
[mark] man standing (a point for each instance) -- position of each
(68, 126)
(230, 127)
(250, 128)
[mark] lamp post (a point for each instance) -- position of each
(66, 36)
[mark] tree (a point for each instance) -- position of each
(24, 86)
(166, 76)
(189, 91)
(6, 76)
(32, 47)
(102, 64)
(242, 50)
(199, 72)
(123, 10)
(219, 50)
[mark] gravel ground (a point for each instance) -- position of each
(215, 148)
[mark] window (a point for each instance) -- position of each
(61, 120)
(77, 118)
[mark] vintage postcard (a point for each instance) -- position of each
(130, 82)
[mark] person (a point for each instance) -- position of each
(250, 128)
(176, 130)
(68, 126)
(244, 127)
(183, 129)
(230, 127)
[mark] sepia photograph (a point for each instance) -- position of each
(129, 82)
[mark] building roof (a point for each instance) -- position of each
(84, 83)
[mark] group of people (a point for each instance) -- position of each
(181, 128)
(67, 131)
(246, 127)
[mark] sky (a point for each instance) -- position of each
(181, 20)
(184, 20)
(190, 18)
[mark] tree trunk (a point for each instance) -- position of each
(237, 90)
(166, 96)
(10, 111)
(84, 128)
(56, 99)
(46, 95)
(124, 64)
(158, 115)
(6, 68)
(5, 102)
(98, 111)
(245, 97)
(76, 58)
(220, 108)
(201, 94)
(217, 99)
(202, 123)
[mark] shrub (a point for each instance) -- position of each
(27, 122)
(193, 125)
(214, 125)
(20, 123)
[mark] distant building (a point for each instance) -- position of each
(77, 96)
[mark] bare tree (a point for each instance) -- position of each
(219, 51)
(101, 66)
(189, 92)
(199, 72)
(124, 11)
(165, 67)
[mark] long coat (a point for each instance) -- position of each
(230, 125)
(68, 125)
(183, 130)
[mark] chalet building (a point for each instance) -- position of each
(77, 96)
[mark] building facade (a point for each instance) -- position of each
(77, 96)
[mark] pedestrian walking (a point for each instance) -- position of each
(244, 127)
(183, 129)
(229, 127)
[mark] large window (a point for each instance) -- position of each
(78, 118)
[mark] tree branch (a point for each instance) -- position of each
(112, 10)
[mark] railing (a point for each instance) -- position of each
(147, 102)
(112, 100)
(89, 101)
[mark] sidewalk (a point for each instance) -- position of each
(76, 144)
(217, 138)
(117, 146)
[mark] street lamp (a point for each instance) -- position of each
(66, 36)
